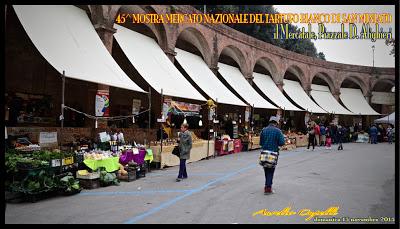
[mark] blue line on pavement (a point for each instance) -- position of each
(144, 192)
(191, 192)
(176, 199)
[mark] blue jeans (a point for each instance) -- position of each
(374, 138)
(182, 169)
(269, 175)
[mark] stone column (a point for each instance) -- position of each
(307, 89)
(214, 69)
(336, 94)
(171, 54)
(279, 84)
(249, 77)
(106, 35)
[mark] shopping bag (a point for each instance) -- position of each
(268, 159)
(176, 151)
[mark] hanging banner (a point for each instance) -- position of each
(211, 113)
(136, 106)
(186, 107)
(306, 118)
(247, 114)
(102, 104)
(174, 107)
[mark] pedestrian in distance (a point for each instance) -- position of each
(317, 134)
(373, 133)
(311, 135)
(328, 144)
(271, 138)
(389, 133)
(185, 145)
(322, 130)
(341, 131)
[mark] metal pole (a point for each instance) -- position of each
(208, 132)
(62, 106)
(161, 130)
(149, 116)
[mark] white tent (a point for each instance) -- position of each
(387, 119)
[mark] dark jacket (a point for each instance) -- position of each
(185, 144)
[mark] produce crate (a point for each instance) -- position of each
(68, 161)
(140, 172)
(90, 183)
(90, 176)
(131, 176)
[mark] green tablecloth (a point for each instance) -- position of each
(111, 164)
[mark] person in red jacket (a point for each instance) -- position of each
(317, 134)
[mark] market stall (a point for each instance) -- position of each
(199, 151)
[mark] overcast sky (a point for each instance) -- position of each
(357, 52)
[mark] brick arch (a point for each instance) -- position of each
(299, 72)
(357, 80)
(387, 79)
(236, 54)
(197, 38)
(269, 64)
(159, 30)
(325, 77)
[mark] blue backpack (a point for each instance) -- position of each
(322, 130)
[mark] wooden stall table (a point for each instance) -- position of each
(301, 140)
(198, 152)
(255, 143)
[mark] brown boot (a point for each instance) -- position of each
(267, 190)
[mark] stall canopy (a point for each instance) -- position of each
(153, 65)
(269, 88)
(324, 98)
(354, 100)
(294, 90)
(201, 74)
(237, 81)
(387, 119)
(66, 38)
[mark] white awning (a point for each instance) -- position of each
(387, 119)
(354, 100)
(324, 98)
(66, 38)
(201, 74)
(269, 88)
(294, 90)
(237, 81)
(153, 65)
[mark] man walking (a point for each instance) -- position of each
(271, 138)
(185, 145)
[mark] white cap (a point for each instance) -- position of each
(274, 118)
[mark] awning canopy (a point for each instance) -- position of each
(66, 38)
(354, 100)
(294, 90)
(201, 74)
(387, 119)
(324, 98)
(153, 65)
(237, 81)
(269, 88)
